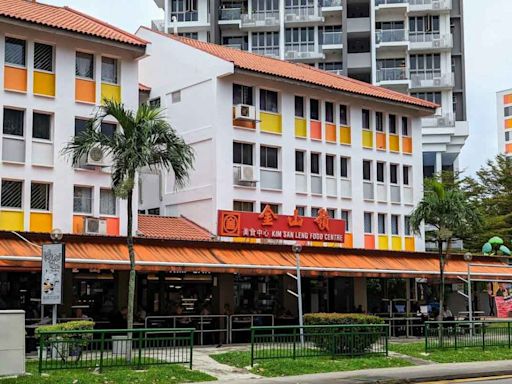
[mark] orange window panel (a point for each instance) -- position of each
(85, 91)
(380, 138)
(113, 226)
(78, 224)
(349, 241)
(330, 132)
(369, 241)
(15, 79)
(508, 123)
(507, 99)
(409, 244)
(508, 148)
(406, 144)
(315, 129)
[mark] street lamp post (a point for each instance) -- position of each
(297, 248)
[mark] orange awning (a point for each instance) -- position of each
(156, 255)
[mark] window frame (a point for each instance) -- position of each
(347, 213)
(300, 160)
(381, 172)
(370, 171)
(405, 127)
(21, 197)
(302, 113)
(344, 118)
(243, 95)
(394, 176)
(242, 202)
(381, 224)
(23, 123)
(48, 197)
(318, 156)
(82, 212)
(16, 65)
(329, 115)
(93, 69)
(265, 100)
(368, 215)
(330, 158)
(395, 219)
(36, 43)
(264, 157)
(50, 126)
(345, 167)
(242, 144)
(114, 205)
(392, 124)
(365, 118)
(316, 102)
(379, 122)
(116, 70)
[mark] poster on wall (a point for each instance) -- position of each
(503, 299)
(52, 274)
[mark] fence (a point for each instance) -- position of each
(467, 334)
(318, 340)
(114, 348)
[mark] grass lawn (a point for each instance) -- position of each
(451, 355)
(302, 366)
(169, 374)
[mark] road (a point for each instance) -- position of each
(481, 380)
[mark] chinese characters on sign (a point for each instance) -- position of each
(51, 273)
(269, 225)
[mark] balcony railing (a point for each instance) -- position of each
(298, 14)
(386, 2)
(437, 5)
(260, 19)
(301, 51)
(391, 74)
(331, 3)
(434, 79)
(446, 120)
(230, 13)
(390, 36)
(430, 40)
(266, 51)
(332, 38)
(239, 46)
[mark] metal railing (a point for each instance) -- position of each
(244, 323)
(332, 38)
(288, 342)
(266, 51)
(267, 18)
(230, 13)
(385, 2)
(467, 334)
(98, 349)
(301, 13)
(202, 324)
(391, 74)
(331, 3)
(390, 36)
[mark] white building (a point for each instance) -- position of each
(57, 65)
(504, 113)
(413, 46)
(309, 140)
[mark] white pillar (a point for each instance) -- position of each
(438, 167)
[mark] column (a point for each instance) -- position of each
(438, 167)
(360, 298)
(281, 29)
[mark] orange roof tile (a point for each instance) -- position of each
(166, 227)
(299, 72)
(67, 19)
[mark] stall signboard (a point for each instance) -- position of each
(269, 225)
(52, 269)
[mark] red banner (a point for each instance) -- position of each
(268, 225)
(503, 306)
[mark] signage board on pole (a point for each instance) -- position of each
(52, 269)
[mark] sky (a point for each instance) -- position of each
(488, 39)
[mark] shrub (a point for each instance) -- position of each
(77, 338)
(352, 337)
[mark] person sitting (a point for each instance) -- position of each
(447, 314)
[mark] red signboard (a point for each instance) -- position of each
(268, 225)
(503, 306)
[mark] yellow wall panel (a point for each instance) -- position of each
(396, 243)
(110, 92)
(383, 242)
(301, 128)
(409, 244)
(44, 83)
(15, 79)
(367, 138)
(345, 135)
(270, 122)
(11, 221)
(41, 222)
(394, 143)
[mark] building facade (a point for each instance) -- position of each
(504, 113)
(415, 47)
(355, 152)
(53, 75)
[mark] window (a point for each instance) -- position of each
(314, 211)
(301, 211)
(155, 103)
(366, 118)
(392, 124)
(12, 192)
(315, 163)
(405, 126)
(434, 97)
(190, 35)
(379, 122)
(41, 126)
(15, 51)
(80, 126)
(43, 57)
(329, 165)
(273, 207)
(242, 153)
(109, 70)
(242, 94)
(329, 112)
(184, 10)
(299, 37)
(380, 172)
(299, 106)
(508, 111)
(107, 202)
(425, 64)
(268, 101)
(13, 122)
(343, 115)
(394, 225)
(154, 211)
(344, 167)
(406, 170)
(82, 199)
(407, 226)
(84, 65)
(507, 135)
(265, 43)
(331, 212)
(381, 223)
(393, 173)
(345, 215)
(368, 223)
(176, 97)
(40, 196)
(268, 157)
(243, 206)
(299, 161)
(108, 129)
(314, 110)
(367, 170)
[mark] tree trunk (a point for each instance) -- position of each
(441, 275)
(131, 253)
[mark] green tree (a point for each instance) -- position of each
(447, 214)
(144, 140)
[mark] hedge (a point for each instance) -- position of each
(340, 318)
(78, 325)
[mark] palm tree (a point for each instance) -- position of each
(144, 140)
(447, 213)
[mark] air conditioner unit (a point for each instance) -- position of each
(436, 43)
(437, 82)
(96, 157)
(95, 226)
(245, 112)
(247, 173)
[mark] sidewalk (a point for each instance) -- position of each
(415, 374)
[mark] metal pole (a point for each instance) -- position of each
(54, 314)
(299, 298)
(470, 301)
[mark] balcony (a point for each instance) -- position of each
(392, 77)
(331, 6)
(440, 121)
(390, 37)
(432, 80)
(239, 46)
(430, 41)
(359, 60)
(358, 25)
(302, 15)
(302, 52)
(394, 3)
(267, 51)
(332, 40)
(268, 21)
(230, 15)
(430, 6)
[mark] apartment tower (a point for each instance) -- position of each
(414, 47)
